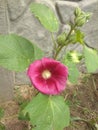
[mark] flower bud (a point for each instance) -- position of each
(80, 21)
(77, 12)
(61, 39)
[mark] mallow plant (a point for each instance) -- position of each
(48, 110)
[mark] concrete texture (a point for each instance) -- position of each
(15, 17)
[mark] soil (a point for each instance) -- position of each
(82, 98)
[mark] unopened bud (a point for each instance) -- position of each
(77, 12)
(61, 39)
(80, 21)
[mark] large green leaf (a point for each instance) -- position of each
(91, 59)
(46, 16)
(16, 52)
(48, 112)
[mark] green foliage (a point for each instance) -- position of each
(48, 112)
(61, 38)
(70, 60)
(46, 16)
(91, 59)
(81, 17)
(38, 53)
(74, 56)
(77, 36)
(2, 127)
(73, 72)
(1, 113)
(16, 52)
(77, 12)
(21, 116)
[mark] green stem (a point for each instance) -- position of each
(66, 42)
(58, 51)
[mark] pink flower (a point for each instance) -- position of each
(48, 76)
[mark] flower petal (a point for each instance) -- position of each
(55, 83)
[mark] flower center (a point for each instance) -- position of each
(46, 74)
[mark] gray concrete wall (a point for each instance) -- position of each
(15, 17)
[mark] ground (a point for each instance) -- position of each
(82, 98)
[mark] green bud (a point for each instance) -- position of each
(72, 38)
(61, 38)
(77, 12)
(82, 18)
(80, 21)
(76, 36)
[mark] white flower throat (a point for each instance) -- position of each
(46, 74)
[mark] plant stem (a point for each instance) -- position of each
(57, 52)
(66, 42)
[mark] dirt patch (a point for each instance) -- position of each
(84, 103)
(82, 98)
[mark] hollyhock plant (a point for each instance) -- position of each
(48, 76)
(48, 110)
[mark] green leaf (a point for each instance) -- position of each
(21, 116)
(2, 127)
(73, 72)
(48, 112)
(73, 56)
(16, 52)
(82, 18)
(91, 59)
(38, 53)
(1, 113)
(70, 61)
(77, 36)
(45, 16)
